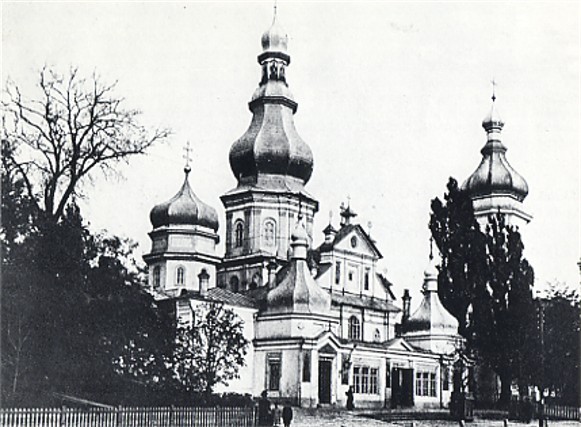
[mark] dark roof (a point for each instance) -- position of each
(221, 295)
(342, 233)
(386, 284)
(364, 302)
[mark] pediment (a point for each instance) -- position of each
(355, 240)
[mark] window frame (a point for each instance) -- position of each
(239, 234)
(180, 275)
(273, 382)
(354, 328)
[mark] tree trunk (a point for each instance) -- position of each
(505, 392)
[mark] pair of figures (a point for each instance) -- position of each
(272, 415)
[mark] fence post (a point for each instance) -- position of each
(118, 416)
(62, 421)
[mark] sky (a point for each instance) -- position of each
(391, 98)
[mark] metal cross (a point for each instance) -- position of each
(187, 150)
(493, 81)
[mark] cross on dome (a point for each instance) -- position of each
(187, 157)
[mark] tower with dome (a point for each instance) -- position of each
(495, 187)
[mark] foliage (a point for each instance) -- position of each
(462, 248)
(72, 310)
(75, 126)
(560, 312)
(210, 349)
(486, 283)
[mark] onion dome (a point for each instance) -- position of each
(295, 290)
(271, 153)
(431, 316)
(495, 175)
(275, 39)
(185, 208)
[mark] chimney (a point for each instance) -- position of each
(406, 305)
(204, 278)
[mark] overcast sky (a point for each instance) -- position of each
(391, 98)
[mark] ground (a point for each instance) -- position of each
(343, 418)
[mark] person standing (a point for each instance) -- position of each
(349, 394)
(287, 415)
(264, 410)
(276, 415)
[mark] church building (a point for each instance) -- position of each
(320, 318)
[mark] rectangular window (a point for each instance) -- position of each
(446, 378)
(365, 380)
(273, 371)
(307, 367)
(426, 384)
(418, 384)
(387, 374)
(337, 272)
(366, 280)
(433, 384)
(373, 388)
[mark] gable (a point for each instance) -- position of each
(354, 239)
(399, 344)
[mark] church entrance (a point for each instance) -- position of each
(325, 368)
(402, 387)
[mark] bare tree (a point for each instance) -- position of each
(76, 126)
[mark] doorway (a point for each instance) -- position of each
(325, 367)
(402, 387)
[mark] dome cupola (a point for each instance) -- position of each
(185, 208)
(495, 175)
(271, 154)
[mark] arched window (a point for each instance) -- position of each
(180, 276)
(234, 284)
(156, 276)
(269, 232)
(238, 234)
(354, 328)
(377, 336)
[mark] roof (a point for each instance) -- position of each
(364, 302)
(221, 295)
(343, 232)
(386, 284)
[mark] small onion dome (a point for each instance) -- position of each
(492, 120)
(275, 39)
(495, 175)
(185, 208)
(299, 235)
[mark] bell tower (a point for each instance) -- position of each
(271, 164)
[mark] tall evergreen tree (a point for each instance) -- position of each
(486, 283)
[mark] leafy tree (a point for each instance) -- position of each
(76, 126)
(210, 350)
(486, 283)
(72, 312)
(462, 248)
(560, 312)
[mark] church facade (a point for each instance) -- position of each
(320, 318)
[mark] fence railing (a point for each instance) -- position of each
(559, 412)
(128, 417)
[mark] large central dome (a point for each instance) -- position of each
(271, 152)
